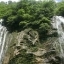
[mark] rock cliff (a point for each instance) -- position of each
(25, 47)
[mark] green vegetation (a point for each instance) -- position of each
(29, 14)
(60, 9)
(23, 58)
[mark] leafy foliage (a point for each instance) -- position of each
(61, 11)
(29, 13)
(23, 58)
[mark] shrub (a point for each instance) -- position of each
(21, 11)
(61, 11)
(44, 27)
(45, 20)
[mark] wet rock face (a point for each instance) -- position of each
(26, 39)
(28, 36)
(55, 60)
(22, 40)
(25, 45)
(52, 57)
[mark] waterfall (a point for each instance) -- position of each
(3, 33)
(58, 24)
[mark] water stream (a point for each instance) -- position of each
(58, 24)
(3, 33)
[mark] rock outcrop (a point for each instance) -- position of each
(27, 42)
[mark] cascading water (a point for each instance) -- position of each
(58, 24)
(3, 33)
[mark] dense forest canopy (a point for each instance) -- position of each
(30, 13)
